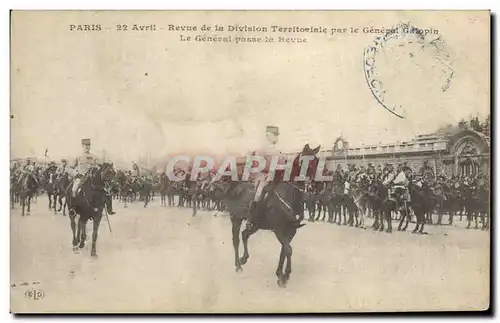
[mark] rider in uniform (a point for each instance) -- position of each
(400, 186)
(263, 182)
(82, 165)
(388, 177)
(135, 170)
(62, 169)
(29, 168)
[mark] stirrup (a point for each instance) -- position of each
(72, 212)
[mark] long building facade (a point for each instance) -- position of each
(449, 151)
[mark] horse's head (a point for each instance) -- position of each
(102, 173)
(309, 155)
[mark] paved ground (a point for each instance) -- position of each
(163, 260)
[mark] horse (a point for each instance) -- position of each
(88, 204)
(145, 189)
(361, 199)
(340, 202)
(29, 186)
(311, 198)
(385, 207)
(50, 188)
(15, 188)
(163, 186)
(62, 184)
(419, 204)
(283, 201)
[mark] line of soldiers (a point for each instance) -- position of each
(397, 179)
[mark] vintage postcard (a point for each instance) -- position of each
(152, 152)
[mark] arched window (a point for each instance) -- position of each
(468, 167)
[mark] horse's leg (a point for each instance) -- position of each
(281, 261)
(60, 203)
(400, 226)
(29, 205)
(289, 251)
(95, 229)
(476, 215)
(21, 201)
(77, 237)
(286, 253)
(421, 219)
(380, 216)
(417, 222)
(352, 215)
(408, 217)
(64, 206)
(82, 224)
(362, 212)
(194, 202)
(50, 200)
(440, 215)
(316, 208)
(388, 218)
(469, 217)
(72, 218)
(375, 224)
(55, 204)
(245, 235)
(236, 225)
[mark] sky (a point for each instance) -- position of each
(134, 93)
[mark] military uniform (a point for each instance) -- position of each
(135, 171)
(62, 169)
(400, 184)
(29, 168)
(268, 150)
(82, 165)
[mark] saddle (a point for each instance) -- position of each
(81, 198)
(271, 197)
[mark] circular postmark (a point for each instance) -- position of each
(404, 64)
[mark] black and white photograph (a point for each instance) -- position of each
(250, 162)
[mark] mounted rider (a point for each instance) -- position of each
(135, 171)
(338, 181)
(63, 168)
(81, 167)
(28, 169)
(263, 182)
(399, 185)
(51, 169)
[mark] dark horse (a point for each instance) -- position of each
(28, 188)
(283, 201)
(164, 183)
(88, 204)
(61, 185)
(51, 188)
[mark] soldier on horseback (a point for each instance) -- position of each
(28, 169)
(62, 169)
(81, 167)
(263, 184)
(400, 185)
